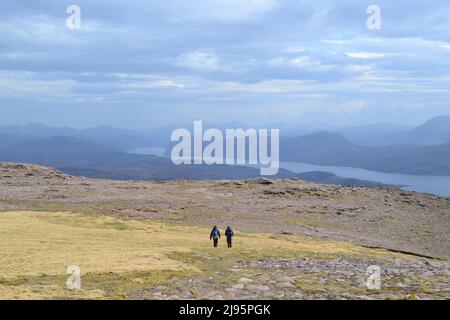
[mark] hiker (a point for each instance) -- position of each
(215, 235)
(229, 234)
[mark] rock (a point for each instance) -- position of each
(238, 286)
(274, 192)
(264, 181)
(361, 282)
(186, 294)
(161, 288)
(211, 293)
(284, 285)
(277, 295)
(386, 296)
(286, 279)
(258, 287)
(245, 280)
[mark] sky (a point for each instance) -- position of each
(144, 63)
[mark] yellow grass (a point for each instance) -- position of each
(35, 245)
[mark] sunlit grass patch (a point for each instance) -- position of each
(119, 257)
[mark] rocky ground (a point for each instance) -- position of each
(414, 224)
(377, 217)
(309, 279)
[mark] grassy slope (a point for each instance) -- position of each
(120, 257)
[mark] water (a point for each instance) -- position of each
(155, 151)
(439, 185)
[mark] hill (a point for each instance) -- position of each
(122, 139)
(434, 131)
(149, 240)
(331, 149)
(85, 158)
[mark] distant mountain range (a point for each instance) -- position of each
(432, 132)
(85, 158)
(330, 149)
(100, 151)
(122, 139)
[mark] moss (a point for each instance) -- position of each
(309, 284)
(129, 284)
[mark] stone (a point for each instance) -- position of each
(285, 285)
(258, 287)
(285, 279)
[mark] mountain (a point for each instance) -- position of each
(55, 151)
(300, 129)
(434, 131)
(7, 140)
(324, 148)
(104, 135)
(331, 178)
(96, 148)
(85, 158)
(365, 133)
(329, 149)
(37, 130)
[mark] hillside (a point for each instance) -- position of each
(122, 139)
(84, 158)
(432, 132)
(330, 149)
(149, 240)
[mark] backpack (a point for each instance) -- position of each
(215, 234)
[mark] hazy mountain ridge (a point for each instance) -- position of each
(85, 158)
(94, 149)
(329, 149)
(434, 131)
(123, 139)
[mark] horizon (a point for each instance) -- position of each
(236, 124)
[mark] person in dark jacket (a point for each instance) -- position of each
(229, 234)
(215, 236)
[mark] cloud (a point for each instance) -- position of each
(199, 60)
(236, 10)
(350, 107)
(366, 55)
(337, 42)
(295, 49)
(250, 58)
(356, 68)
(162, 83)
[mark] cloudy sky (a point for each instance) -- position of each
(144, 63)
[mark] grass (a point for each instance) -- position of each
(119, 257)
